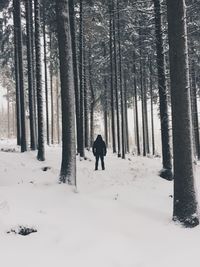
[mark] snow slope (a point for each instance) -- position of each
(120, 217)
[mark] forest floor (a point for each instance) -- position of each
(120, 217)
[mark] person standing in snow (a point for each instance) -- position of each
(99, 151)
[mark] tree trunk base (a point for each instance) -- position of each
(188, 222)
(166, 174)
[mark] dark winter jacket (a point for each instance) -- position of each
(99, 147)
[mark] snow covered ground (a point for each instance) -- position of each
(120, 217)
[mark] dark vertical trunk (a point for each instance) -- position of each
(111, 78)
(92, 95)
(105, 99)
(145, 109)
(195, 109)
(136, 108)
(33, 66)
(166, 172)
(68, 166)
(51, 89)
(17, 88)
(185, 202)
(81, 122)
(121, 85)
(58, 109)
(30, 77)
(75, 69)
(116, 83)
(152, 116)
(45, 73)
(40, 155)
(86, 109)
(126, 113)
(17, 14)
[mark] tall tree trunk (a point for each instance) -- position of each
(105, 100)
(111, 77)
(45, 72)
(136, 108)
(185, 202)
(121, 85)
(81, 122)
(41, 153)
(116, 83)
(166, 172)
(30, 77)
(58, 109)
(51, 89)
(126, 113)
(195, 109)
(145, 109)
(86, 109)
(17, 86)
(17, 14)
(68, 166)
(92, 95)
(75, 69)
(152, 116)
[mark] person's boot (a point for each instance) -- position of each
(103, 166)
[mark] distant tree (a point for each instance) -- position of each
(185, 202)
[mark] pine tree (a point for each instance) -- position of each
(185, 202)
(68, 165)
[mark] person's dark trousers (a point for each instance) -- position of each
(97, 162)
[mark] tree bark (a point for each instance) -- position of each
(75, 70)
(185, 203)
(166, 172)
(30, 77)
(41, 150)
(111, 77)
(17, 14)
(68, 165)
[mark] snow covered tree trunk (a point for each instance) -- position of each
(106, 98)
(41, 150)
(81, 122)
(111, 77)
(68, 166)
(45, 73)
(145, 108)
(185, 202)
(32, 22)
(116, 83)
(92, 95)
(17, 20)
(195, 109)
(120, 84)
(136, 108)
(51, 88)
(126, 113)
(33, 144)
(17, 87)
(166, 172)
(86, 108)
(75, 69)
(58, 108)
(152, 115)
